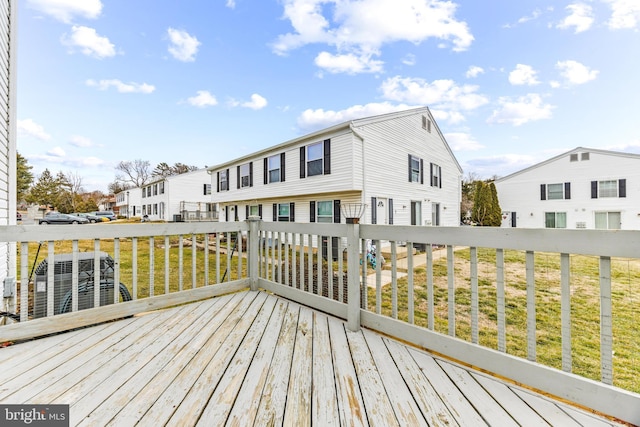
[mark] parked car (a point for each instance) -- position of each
(106, 214)
(91, 217)
(60, 218)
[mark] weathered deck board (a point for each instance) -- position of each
(251, 358)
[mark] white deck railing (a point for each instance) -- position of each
(459, 305)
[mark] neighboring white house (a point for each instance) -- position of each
(399, 165)
(184, 197)
(129, 202)
(582, 188)
(8, 202)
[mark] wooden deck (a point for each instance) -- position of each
(251, 358)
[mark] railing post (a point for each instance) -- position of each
(353, 278)
(252, 253)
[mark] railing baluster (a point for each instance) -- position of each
(229, 249)
(294, 269)
(410, 303)
(430, 293)
(206, 260)
(194, 253)
(167, 257)
(301, 282)
(218, 257)
(565, 307)
(134, 267)
(531, 306)
(50, 278)
(24, 284)
(606, 324)
(502, 335)
(378, 277)
(96, 273)
(151, 266)
(287, 247)
(394, 280)
(74, 276)
(310, 264)
(452, 292)
(341, 272)
(473, 260)
(239, 251)
(116, 271)
(330, 267)
(180, 263)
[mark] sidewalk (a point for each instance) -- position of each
(419, 260)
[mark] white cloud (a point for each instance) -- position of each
(410, 59)
(524, 109)
(319, 118)
(444, 95)
(576, 73)
(499, 165)
(231, 4)
(358, 29)
(183, 46)
(203, 99)
(474, 71)
(28, 127)
(581, 17)
(89, 42)
(80, 141)
(56, 152)
(348, 63)
(121, 87)
(534, 15)
(460, 141)
(625, 14)
(523, 75)
(257, 102)
(66, 10)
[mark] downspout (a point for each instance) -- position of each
(364, 169)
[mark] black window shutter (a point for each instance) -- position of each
(421, 171)
(327, 156)
(622, 188)
(374, 211)
(336, 211)
(281, 167)
(251, 174)
(439, 177)
(431, 174)
(246, 212)
(238, 173)
(204, 191)
(594, 189)
(567, 190)
(217, 182)
(265, 174)
(303, 162)
(226, 213)
(543, 192)
(312, 211)
(409, 167)
(390, 211)
(292, 212)
(228, 180)
(260, 211)
(237, 214)
(275, 212)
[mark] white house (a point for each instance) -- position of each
(398, 165)
(129, 202)
(8, 202)
(582, 188)
(184, 197)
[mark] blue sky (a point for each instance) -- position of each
(200, 82)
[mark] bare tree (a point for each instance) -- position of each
(136, 173)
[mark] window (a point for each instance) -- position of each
(155, 189)
(254, 210)
(273, 169)
(608, 188)
(584, 156)
(149, 191)
(325, 211)
(207, 189)
(608, 220)
(436, 175)
(315, 159)
(557, 191)
(244, 175)
(555, 219)
(144, 193)
(415, 169)
(573, 157)
(162, 188)
(223, 180)
(155, 209)
(284, 212)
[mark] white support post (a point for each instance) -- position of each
(353, 279)
(252, 254)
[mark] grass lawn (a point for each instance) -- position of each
(585, 309)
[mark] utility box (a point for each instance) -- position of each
(63, 279)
